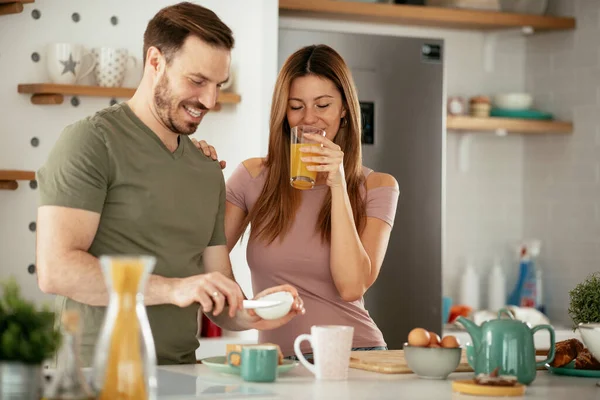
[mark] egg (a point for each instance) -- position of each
(434, 338)
(434, 346)
(419, 337)
(450, 342)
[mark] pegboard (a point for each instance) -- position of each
(28, 132)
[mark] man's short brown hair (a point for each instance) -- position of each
(169, 28)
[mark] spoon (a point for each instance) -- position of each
(252, 304)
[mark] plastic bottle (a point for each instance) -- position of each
(496, 287)
(525, 292)
(469, 288)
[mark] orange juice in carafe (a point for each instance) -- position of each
(126, 369)
(300, 177)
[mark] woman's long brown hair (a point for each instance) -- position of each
(275, 208)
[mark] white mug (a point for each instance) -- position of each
(65, 62)
(111, 65)
(331, 346)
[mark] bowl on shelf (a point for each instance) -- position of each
(513, 101)
(537, 7)
(432, 362)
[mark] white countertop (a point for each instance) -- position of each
(300, 384)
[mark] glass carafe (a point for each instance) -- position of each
(125, 357)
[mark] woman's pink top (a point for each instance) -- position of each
(302, 260)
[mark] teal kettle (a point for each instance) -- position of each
(506, 344)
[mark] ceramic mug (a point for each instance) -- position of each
(111, 65)
(65, 63)
(331, 346)
(258, 363)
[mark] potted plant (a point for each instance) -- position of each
(584, 304)
(27, 338)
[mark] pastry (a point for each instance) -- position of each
(566, 351)
(585, 360)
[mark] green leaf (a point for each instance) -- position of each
(27, 334)
(584, 306)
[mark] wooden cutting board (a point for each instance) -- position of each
(393, 362)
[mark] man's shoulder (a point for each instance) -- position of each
(95, 124)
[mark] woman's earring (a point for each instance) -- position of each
(344, 122)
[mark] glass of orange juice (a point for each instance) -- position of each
(300, 177)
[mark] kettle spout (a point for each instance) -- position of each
(473, 329)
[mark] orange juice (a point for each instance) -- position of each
(125, 369)
(300, 177)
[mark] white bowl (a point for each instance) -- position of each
(278, 311)
(590, 334)
(432, 363)
(513, 101)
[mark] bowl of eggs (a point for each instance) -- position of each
(431, 357)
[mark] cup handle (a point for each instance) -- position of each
(92, 65)
(236, 353)
(552, 344)
(299, 354)
(134, 60)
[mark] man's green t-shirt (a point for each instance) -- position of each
(152, 201)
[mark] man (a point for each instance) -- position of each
(128, 180)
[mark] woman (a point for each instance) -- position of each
(328, 242)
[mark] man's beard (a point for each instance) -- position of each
(167, 107)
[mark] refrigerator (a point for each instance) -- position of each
(400, 83)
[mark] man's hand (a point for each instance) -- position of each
(213, 291)
(209, 151)
(297, 309)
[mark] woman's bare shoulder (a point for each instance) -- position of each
(380, 179)
(254, 166)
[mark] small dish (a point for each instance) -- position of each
(570, 370)
(219, 364)
(278, 311)
(432, 363)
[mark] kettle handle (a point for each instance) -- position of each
(505, 311)
(550, 357)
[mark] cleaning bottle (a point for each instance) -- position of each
(525, 292)
(496, 287)
(469, 287)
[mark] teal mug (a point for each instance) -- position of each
(258, 363)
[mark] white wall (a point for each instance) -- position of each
(238, 131)
(562, 173)
(483, 205)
